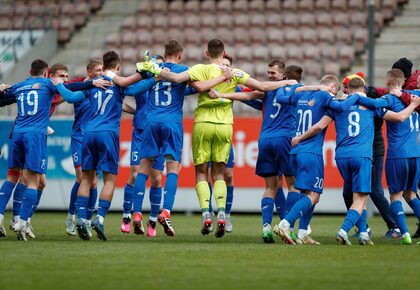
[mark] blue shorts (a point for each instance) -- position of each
(28, 151)
(273, 157)
(231, 160)
(356, 172)
(309, 171)
(159, 162)
(100, 151)
(402, 174)
(76, 149)
(162, 138)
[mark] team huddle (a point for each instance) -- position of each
(295, 118)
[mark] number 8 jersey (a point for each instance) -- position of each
(34, 97)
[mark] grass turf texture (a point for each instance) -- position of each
(190, 261)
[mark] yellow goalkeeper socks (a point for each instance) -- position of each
(220, 193)
(203, 194)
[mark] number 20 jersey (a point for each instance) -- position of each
(105, 108)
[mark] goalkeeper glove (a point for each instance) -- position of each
(153, 68)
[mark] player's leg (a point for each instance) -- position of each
(129, 187)
(105, 199)
(310, 177)
(280, 200)
(378, 198)
(28, 201)
(139, 192)
(201, 144)
(171, 185)
(353, 215)
(155, 198)
(410, 194)
(82, 202)
(267, 207)
(220, 192)
(76, 148)
(93, 196)
(230, 188)
(396, 171)
(41, 187)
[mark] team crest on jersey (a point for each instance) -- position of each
(311, 103)
(36, 86)
(238, 73)
(362, 108)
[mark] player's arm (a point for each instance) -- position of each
(190, 90)
(239, 96)
(404, 114)
(340, 106)
(405, 97)
(255, 104)
(314, 130)
(5, 97)
(268, 86)
(123, 81)
(373, 103)
(206, 85)
(139, 87)
(67, 95)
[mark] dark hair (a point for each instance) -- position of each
(173, 47)
(356, 83)
(92, 63)
(405, 65)
(293, 72)
(277, 62)
(38, 67)
(395, 77)
(158, 56)
(229, 58)
(58, 66)
(111, 59)
(215, 48)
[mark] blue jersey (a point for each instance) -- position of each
(33, 97)
(105, 108)
(165, 100)
(402, 137)
(355, 131)
(310, 108)
(139, 119)
(278, 119)
(81, 117)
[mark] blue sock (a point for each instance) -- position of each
(155, 197)
(38, 198)
(73, 198)
(267, 207)
(305, 220)
(280, 202)
(170, 191)
(17, 198)
(229, 199)
(81, 204)
(292, 198)
(399, 215)
(128, 198)
(415, 205)
(28, 201)
(91, 203)
(7, 189)
(139, 190)
(103, 207)
(362, 222)
(351, 219)
(211, 195)
(298, 210)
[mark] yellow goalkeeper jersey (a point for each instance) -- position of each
(211, 110)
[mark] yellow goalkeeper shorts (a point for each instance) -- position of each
(211, 142)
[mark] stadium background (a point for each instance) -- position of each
(323, 36)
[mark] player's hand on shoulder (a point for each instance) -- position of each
(158, 78)
(291, 82)
(415, 100)
(4, 87)
(295, 141)
(101, 83)
(227, 73)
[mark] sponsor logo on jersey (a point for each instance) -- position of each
(311, 103)
(36, 86)
(362, 107)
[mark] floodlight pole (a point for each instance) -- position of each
(371, 46)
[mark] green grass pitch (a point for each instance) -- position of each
(190, 261)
